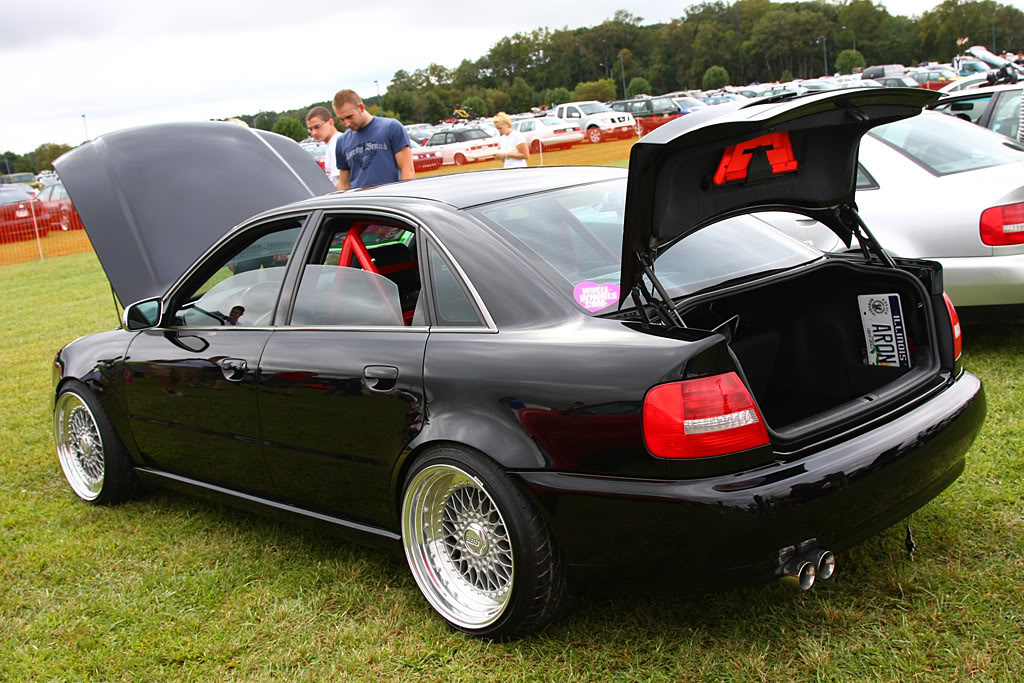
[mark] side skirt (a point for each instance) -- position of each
(365, 532)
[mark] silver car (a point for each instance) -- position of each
(937, 187)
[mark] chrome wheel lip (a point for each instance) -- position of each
(432, 499)
(79, 445)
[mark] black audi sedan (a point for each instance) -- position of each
(529, 375)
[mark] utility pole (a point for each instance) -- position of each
(622, 65)
(85, 127)
(380, 102)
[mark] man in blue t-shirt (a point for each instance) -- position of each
(374, 151)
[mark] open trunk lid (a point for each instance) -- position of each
(154, 199)
(795, 154)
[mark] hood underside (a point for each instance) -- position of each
(154, 199)
(794, 154)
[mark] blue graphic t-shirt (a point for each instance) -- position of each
(368, 154)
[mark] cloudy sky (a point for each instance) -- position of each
(124, 64)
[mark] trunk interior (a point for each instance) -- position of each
(800, 343)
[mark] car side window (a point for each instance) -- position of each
(1006, 116)
(864, 179)
(379, 285)
(573, 113)
(527, 126)
(451, 300)
(241, 290)
(436, 139)
(449, 138)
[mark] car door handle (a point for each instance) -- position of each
(233, 369)
(380, 377)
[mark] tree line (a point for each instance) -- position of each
(712, 44)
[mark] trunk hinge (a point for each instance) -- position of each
(663, 306)
(852, 221)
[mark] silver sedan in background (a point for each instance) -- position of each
(940, 188)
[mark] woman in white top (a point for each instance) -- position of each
(514, 149)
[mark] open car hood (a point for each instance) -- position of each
(154, 199)
(784, 154)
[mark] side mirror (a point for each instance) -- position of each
(142, 314)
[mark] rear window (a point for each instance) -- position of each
(473, 134)
(943, 145)
(578, 233)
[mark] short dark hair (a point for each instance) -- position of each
(319, 113)
(346, 97)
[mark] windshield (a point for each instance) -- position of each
(593, 108)
(943, 144)
(578, 233)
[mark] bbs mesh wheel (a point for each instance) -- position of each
(478, 548)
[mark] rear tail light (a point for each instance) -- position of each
(954, 320)
(1002, 225)
(700, 418)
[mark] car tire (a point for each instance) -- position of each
(478, 548)
(535, 147)
(594, 134)
(460, 160)
(92, 455)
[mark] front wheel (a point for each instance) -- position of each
(91, 453)
(478, 548)
(460, 160)
(594, 134)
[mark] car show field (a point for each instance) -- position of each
(171, 588)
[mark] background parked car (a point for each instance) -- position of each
(898, 82)
(598, 121)
(932, 79)
(549, 131)
(996, 108)
(905, 170)
(649, 112)
(426, 158)
(463, 145)
(318, 150)
(17, 207)
(688, 105)
(55, 209)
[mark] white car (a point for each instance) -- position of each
(463, 145)
(549, 132)
(939, 188)
(597, 121)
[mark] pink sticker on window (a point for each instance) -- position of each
(595, 297)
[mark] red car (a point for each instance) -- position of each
(55, 210)
(649, 112)
(933, 79)
(17, 220)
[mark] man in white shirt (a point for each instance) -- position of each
(320, 125)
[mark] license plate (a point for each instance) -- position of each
(21, 213)
(885, 332)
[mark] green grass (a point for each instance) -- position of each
(172, 587)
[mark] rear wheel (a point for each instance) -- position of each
(478, 548)
(91, 453)
(460, 160)
(594, 134)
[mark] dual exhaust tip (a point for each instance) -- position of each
(803, 569)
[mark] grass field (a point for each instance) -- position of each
(170, 587)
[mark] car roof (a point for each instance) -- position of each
(464, 190)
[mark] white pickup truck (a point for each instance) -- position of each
(597, 121)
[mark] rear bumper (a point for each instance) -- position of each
(732, 527)
(995, 280)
